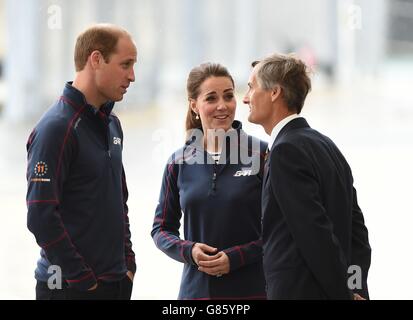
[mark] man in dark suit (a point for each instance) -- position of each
(313, 229)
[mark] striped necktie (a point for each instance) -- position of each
(267, 152)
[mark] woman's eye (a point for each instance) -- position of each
(229, 97)
(209, 99)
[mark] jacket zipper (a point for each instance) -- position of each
(214, 179)
(108, 142)
(107, 138)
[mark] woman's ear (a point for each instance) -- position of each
(192, 104)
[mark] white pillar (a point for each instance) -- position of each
(172, 70)
(246, 41)
(372, 38)
(349, 21)
(23, 60)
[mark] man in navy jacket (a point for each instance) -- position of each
(313, 228)
(77, 191)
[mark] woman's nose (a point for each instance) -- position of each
(221, 104)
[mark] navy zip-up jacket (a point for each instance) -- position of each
(221, 205)
(77, 193)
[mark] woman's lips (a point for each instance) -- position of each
(223, 117)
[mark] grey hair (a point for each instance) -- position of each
(287, 71)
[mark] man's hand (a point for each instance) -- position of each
(93, 288)
(357, 297)
(217, 266)
(130, 275)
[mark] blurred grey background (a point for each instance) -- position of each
(362, 56)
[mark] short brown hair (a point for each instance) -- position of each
(196, 78)
(290, 73)
(101, 37)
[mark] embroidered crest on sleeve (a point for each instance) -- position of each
(40, 170)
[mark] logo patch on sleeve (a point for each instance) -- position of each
(40, 170)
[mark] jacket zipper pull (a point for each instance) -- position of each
(214, 178)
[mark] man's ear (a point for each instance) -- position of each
(96, 59)
(276, 92)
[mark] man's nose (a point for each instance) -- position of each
(246, 99)
(131, 75)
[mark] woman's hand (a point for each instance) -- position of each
(202, 252)
(216, 265)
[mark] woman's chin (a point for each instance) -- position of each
(224, 125)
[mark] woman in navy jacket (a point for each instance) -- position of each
(215, 182)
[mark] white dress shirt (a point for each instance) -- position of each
(276, 130)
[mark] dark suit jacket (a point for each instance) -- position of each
(313, 228)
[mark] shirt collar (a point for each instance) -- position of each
(276, 130)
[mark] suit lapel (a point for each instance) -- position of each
(294, 124)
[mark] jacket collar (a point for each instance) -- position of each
(194, 147)
(78, 99)
(194, 139)
(297, 123)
